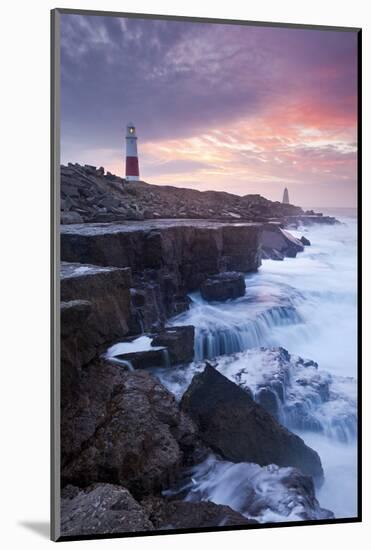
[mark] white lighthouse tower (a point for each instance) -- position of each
(132, 164)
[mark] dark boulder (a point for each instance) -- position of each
(223, 286)
(179, 514)
(295, 390)
(125, 428)
(305, 241)
(101, 509)
(239, 429)
(179, 342)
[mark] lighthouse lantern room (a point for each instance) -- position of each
(132, 164)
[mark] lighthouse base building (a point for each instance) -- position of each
(131, 163)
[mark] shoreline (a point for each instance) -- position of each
(132, 278)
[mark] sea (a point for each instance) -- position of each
(307, 305)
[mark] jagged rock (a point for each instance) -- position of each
(276, 240)
(223, 286)
(154, 201)
(124, 428)
(305, 241)
(116, 511)
(239, 429)
(167, 259)
(295, 391)
(101, 509)
(108, 292)
(178, 514)
(90, 169)
(171, 202)
(179, 342)
(191, 250)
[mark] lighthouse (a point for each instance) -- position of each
(286, 199)
(132, 165)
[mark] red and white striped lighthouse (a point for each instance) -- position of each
(132, 164)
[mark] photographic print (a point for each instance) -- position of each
(205, 370)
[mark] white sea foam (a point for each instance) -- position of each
(306, 305)
(143, 343)
(264, 493)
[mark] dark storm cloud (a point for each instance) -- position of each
(272, 104)
(175, 77)
(170, 77)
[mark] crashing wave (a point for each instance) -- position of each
(266, 494)
(294, 390)
(240, 324)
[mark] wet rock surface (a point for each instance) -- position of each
(239, 429)
(124, 428)
(144, 359)
(167, 259)
(101, 509)
(95, 310)
(179, 343)
(178, 514)
(104, 508)
(225, 286)
(171, 346)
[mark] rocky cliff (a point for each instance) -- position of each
(124, 436)
(166, 260)
(89, 194)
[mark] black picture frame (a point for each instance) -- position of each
(55, 264)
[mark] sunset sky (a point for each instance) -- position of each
(226, 107)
